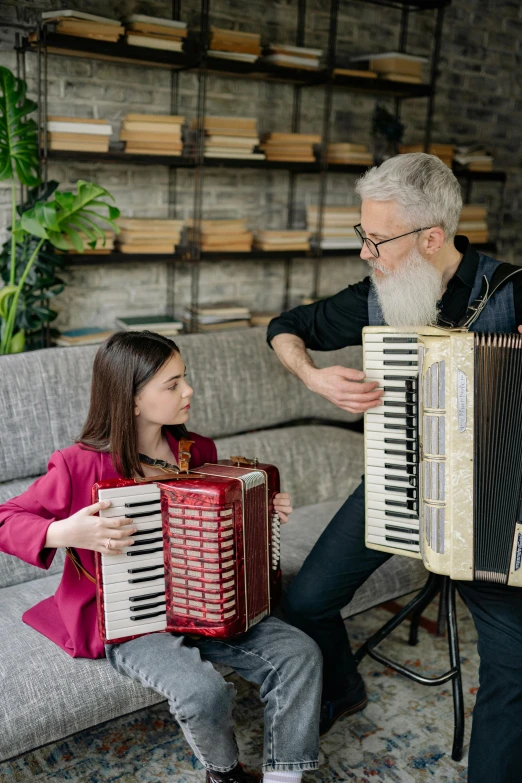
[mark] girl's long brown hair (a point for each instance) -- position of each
(122, 366)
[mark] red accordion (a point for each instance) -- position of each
(206, 555)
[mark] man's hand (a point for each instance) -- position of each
(343, 387)
(520, 329)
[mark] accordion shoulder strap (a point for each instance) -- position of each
(502, 275)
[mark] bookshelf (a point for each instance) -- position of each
(196, 59)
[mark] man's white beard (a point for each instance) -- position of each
(408, 296)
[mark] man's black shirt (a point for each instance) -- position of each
(338, 321)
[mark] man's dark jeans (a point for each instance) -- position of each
(340, 562)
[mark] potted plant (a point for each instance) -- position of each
(387, 133)
(48, 220)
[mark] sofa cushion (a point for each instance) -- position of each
(316, 462)
(240, 385)
(52, 695)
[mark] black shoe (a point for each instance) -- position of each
(236, 775)
(354, 700)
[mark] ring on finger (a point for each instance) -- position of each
(108, 543)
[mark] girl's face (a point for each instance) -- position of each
(165, 399)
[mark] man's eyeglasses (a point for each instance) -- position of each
(373, 247)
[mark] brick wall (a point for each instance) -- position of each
(478, 99)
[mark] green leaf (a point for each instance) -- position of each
(18, 135)
(74, 236)
(17, 342)
(32, 225)
(5, 294)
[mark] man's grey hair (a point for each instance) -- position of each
(425, 189)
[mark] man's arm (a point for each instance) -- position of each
(327, 325)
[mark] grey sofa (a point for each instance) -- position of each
(246, 401)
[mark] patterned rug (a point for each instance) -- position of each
(403, 736)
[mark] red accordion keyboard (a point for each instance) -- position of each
(206, 554)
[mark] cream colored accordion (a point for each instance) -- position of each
(443, 453)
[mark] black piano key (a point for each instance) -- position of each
(398, 529)
(137, 552)
(149, 541)
(411, 480)
(142, 503)
(145, 579)
(400, 339)
(402, 351)
(144, 568)
(411, 505)
(393, 363)
(146, 596)
(407, 468)
(410, 409)
(145, 616)
(411, 455)
(400, 514)
(410, 493)
(149, 530)
(398, 540)
(147, 606)
(137, 515)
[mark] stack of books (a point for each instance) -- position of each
(84, 25)
(88, 335)
(234, 45)
(396, 66)
(474, 158)
(161, 324)
(152, 134)
(345, 152)
(293, 56)
(338, 222)
(78, 133)
(473, 223)
(213, 318)
(228, 137)
(290, 146)
(443, 151)
(231, 236)
(149, 235)
(282, 240)
(102, 247)
(155, 33)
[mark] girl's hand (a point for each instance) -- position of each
(83, 530)
(282, 506)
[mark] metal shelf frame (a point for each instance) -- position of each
(197, 58)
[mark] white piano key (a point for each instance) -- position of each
(379, 484)
(380, 472)
(377, 520)
(127, 627)
(380, 410)
(378, 458)
(391, 363)
(386, 348)
(130, 494)
(134, 561)
(380, 337)
(110, 564)
(120, 603)
(382, 541)
(121, 511)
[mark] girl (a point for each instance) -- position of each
(140, 402)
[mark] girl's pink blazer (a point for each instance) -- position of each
(69, 617)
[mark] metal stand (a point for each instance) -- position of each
(415, 608)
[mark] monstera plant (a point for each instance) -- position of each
(48, 220)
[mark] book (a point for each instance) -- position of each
(80, 146)
(236, 155)
(55, 16)
(151, 42)
(167, 119)
(101, 128)
(473, 225)
(353, 72)
(175, 24)
(301, 51)
(401, 77)
(150, 322)
(163, 135)
(226, 309)
(219, 326)
(289, 61)
(312, 138)
(166, 249)
(88, 335)
(240, 56)
(473, 212)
